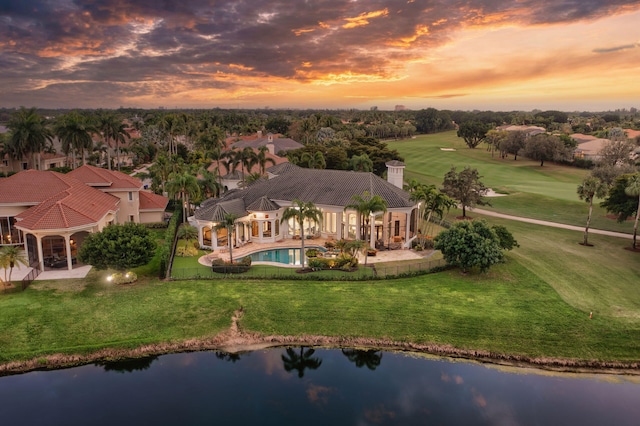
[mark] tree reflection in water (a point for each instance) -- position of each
(369, 358)
(128, 365)
(300, 362)
(226, 356)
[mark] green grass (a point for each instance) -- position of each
(546, 193)
(537, 304)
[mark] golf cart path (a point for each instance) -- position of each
(551, 224)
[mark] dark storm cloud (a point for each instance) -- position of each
(124, 41)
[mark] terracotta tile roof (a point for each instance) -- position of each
(32, 186)
(103, 178)
(151, 201)
(75, 206)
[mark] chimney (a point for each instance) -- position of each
(271, 147)
(395, 173)
(259, 134)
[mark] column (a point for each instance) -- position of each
(68, 251)
(372, 231)
(406, 226)
(40, 254)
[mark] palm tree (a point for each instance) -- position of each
(29, 134)
(112, 129)
(74, 132)
(187, 232)
(315, 160)
(361, 163)
(436, 202)
(590, 188)
(208, 183)
(301, 362)
(301, 211)
(366, 205)
(9, 257)
(248, 158)
(185, 187)
(229, 223)
(262, 159)
(633, 189)
(160, 170)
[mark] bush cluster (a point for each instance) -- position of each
(340, 262)
(222, 267)
(157, 225)
(126, 278)
(420, 244)
(186, 251)
(312, 252)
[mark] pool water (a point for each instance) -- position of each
(287, 256)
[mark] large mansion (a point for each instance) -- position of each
(260, 207)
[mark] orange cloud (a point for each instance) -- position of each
(363, 18)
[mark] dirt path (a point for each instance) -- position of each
(551, 224)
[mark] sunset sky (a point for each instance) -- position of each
(474, 54)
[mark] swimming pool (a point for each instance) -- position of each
(287, 256)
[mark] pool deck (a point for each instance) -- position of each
(382, 256)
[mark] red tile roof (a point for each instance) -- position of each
(32, 187)
(103, 178)
(151, 201)
(74, 206)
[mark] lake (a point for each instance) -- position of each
(314, 387)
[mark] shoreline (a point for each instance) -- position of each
(234, 340)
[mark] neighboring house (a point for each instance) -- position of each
(136, 204)
(261, 204)
(48, 161)
(275, 144)
(51, 213)
(588, 146)
(529, 130)
(233, 178)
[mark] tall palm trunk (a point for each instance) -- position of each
(586, 229)
(635, 225)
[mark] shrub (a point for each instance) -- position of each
(222, 267)
(312, 252)
(330, 244)
(126, 278)
(187, 251)
(157, 225)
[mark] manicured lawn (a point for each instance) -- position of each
(547, 193)
(537, 304)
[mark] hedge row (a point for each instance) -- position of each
(166, 249)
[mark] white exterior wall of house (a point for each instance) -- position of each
(152, 216)
(129, 204)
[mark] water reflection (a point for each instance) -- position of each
(361, 358)
(128, 365)
(313, 387)
(293, 361)
(232, 357)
